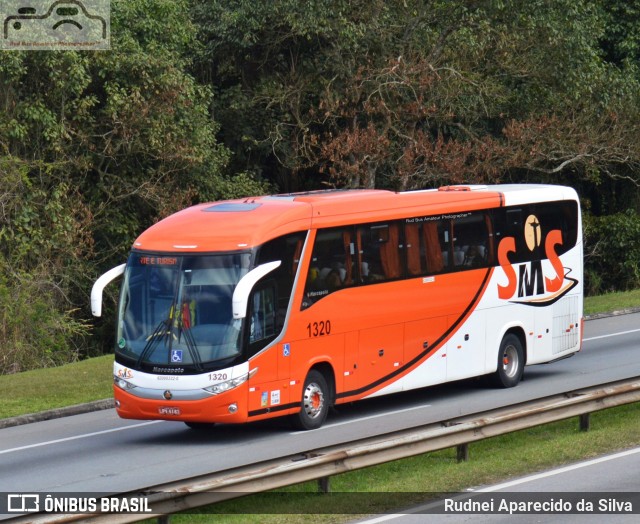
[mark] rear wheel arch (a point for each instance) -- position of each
(511, 359)
(327, 371)
(518, 331)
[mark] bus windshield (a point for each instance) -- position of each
(175, 311)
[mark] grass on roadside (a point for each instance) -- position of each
(612, 302)
(42, 389)
(410, 481)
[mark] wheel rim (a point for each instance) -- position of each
(313, 400)
(510, 361)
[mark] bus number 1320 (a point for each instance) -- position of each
(319, 329)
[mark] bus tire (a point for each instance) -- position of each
(314, 404)
(510, 362)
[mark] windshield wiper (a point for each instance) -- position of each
(191, 345)
(157, 334)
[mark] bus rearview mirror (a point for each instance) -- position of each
(243, 289)
(100, 284)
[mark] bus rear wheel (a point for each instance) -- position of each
(510, 362)
(314, 405)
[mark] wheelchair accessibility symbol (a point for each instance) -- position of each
(62, 24)
(176, 356)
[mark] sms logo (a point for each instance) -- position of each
(529, 285)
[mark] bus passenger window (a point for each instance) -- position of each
(425, 254)
(559, 216)
(539, 219)
(470, 242)
(415, 265)
(378, 252)
(331, 267)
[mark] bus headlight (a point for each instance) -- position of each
(122, 383)
(221, 387)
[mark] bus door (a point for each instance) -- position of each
(268, 304)
(325, 329)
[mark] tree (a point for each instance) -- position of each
(416, 94)
(94, 147)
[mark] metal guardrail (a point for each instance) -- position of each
(174, 497)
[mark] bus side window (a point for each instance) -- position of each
(545, 217)
(470, 242)
(424, 251)
(512, 225)
(379, 252)
(560, 216)
(286, 249)
(262, 325)
(445, 237)
(332, 264)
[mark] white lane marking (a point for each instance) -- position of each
(504, 485)
(370, 417)
(611, 335)
(383, 518)
(559, 471)
(76, 437)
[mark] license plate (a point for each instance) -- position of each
(169, 411)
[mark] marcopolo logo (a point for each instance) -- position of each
(55, 24)
(527, 283)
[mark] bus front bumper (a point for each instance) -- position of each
(229, 407)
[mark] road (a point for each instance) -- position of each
(98, 452)
(577, 492)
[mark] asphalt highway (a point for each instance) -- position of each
(98, 452)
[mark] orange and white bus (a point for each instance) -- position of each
(242, 310)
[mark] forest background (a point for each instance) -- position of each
(202, 100)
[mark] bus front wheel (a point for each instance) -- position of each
(510, 362)
(315, 402)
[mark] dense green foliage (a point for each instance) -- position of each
(614, 257)
(207, 99)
